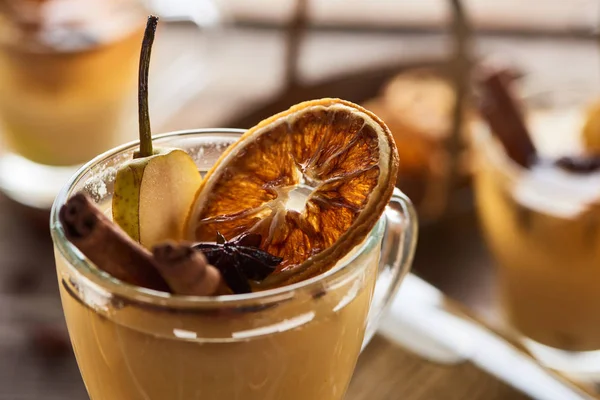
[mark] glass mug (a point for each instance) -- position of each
(295, 342)
(68, 75)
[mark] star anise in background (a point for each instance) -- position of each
(240, 260)
(581, 165)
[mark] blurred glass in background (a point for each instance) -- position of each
(542, 224)
(68, 78)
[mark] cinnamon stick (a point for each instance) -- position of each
(186, 270)
(173, 268)
(498, 106)
(107, 246)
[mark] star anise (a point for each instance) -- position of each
(240, 260)
(581, 165)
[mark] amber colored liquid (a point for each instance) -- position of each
(65, 107)
(133, 355)
(548, 263)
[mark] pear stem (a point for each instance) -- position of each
(146, 149)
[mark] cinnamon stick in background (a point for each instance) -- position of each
(499, 108)
(186, 270)
(107, 246)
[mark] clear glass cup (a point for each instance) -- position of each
(67, 86)
(296, 342)
(545, 238)
(68, 79)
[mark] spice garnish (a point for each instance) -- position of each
(579, 164)
(502, 112)
(239, 260)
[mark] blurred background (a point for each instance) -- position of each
(68, 70)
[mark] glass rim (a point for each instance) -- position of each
(534, 97)
(104, 282)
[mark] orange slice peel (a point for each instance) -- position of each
(312, 181)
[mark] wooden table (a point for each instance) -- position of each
(388, 372)
(36, 361)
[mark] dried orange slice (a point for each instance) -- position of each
(312, 180)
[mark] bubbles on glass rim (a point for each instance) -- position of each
(98, 181)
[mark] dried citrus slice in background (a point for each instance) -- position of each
(312, 180)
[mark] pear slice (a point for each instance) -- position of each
(154, 192)
(152, 196)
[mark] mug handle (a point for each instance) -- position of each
(397, 252)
